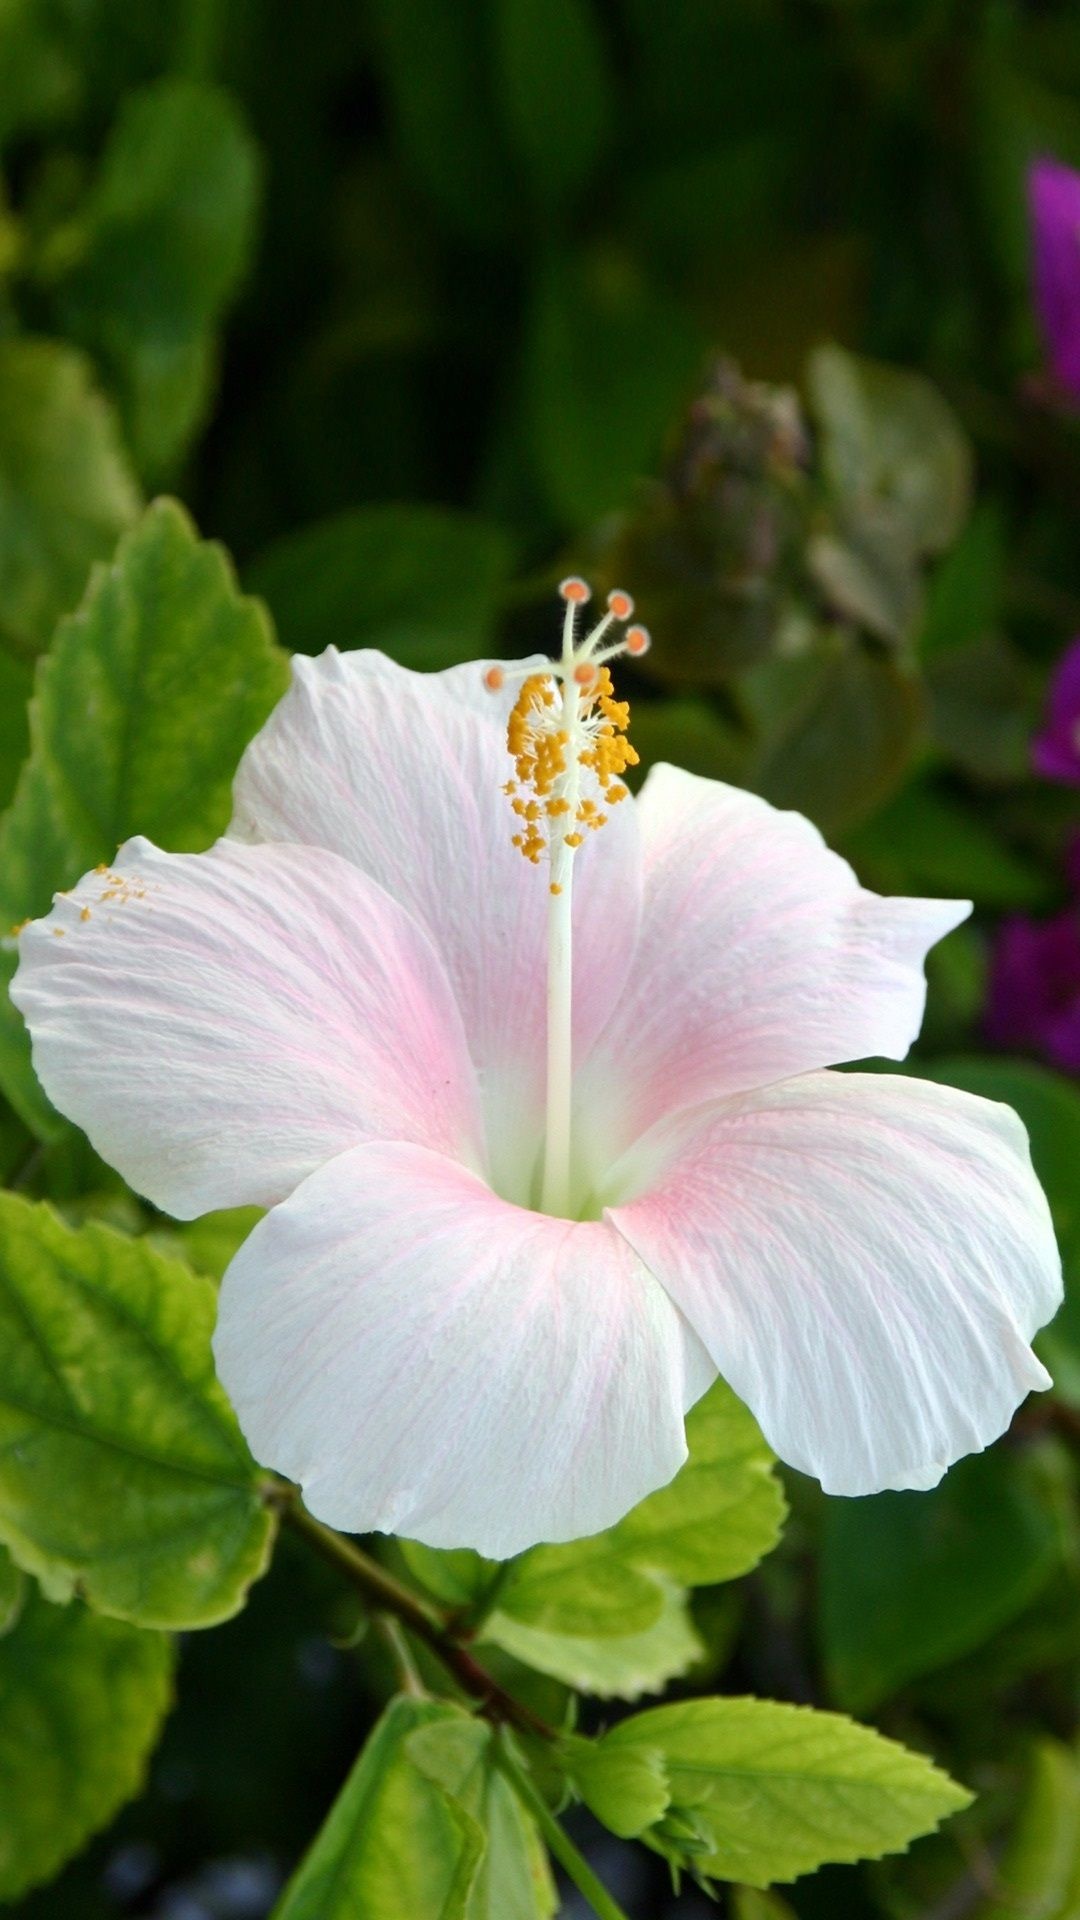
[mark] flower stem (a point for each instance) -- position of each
(574, 1865)
(389, 1596)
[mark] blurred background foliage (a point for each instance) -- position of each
(418, 305)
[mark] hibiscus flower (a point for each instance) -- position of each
(533, 1080)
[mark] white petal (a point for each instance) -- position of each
(221, 1023)
(402, 773)
(760, 957)
(866, 1258)
(426, 1359)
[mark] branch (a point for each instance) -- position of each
(382, 1591)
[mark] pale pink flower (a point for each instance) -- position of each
(501, 1261)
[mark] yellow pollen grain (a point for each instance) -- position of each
(539, 753)
(84, 913)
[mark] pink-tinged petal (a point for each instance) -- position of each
(222, 1023)
(866, 1258)
(760, 957)
(402, 773)
(426, 1359)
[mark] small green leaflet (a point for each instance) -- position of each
(122, 1469)
(178, 671)
(82, 1700)
(758, 1792)
(612, 1666)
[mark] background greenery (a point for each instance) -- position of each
(414, 306)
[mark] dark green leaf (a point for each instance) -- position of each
(122, 1470)
(891, 441)
(610, 360)
(66, 491)
(421, 583)
(927, 841)
(81, 1703)
(160, 247)
(1039, 1875)
(435, 61)
(838, 727)
(910, 1581)
(554, 90)
(13, 1586)
(983, 707)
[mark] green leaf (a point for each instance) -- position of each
(690, 735)
(513, 1881)
(178, 671)
(457, 1575)
(435, 65)
(983, 707)
(715, 1520)
(837, 727)
(66, 491)
(890, 440)
(762, 1792)
(16, 684)
(910, 1581)
(619, 1666)
(927, 841)
(1038, 1877)
(12, 1592)
(39, 68)
(1049, 1106)
(422, 583)
(122, 1469)
(82, 1700)
(965, 598)
(554, 89)
(160, 247)
(610, 362)
(868, 570)
(395, 1842)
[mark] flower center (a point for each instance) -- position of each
(567, 738)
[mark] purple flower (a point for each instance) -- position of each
(1055, 751)
(1034, 993)
(1054, 207)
